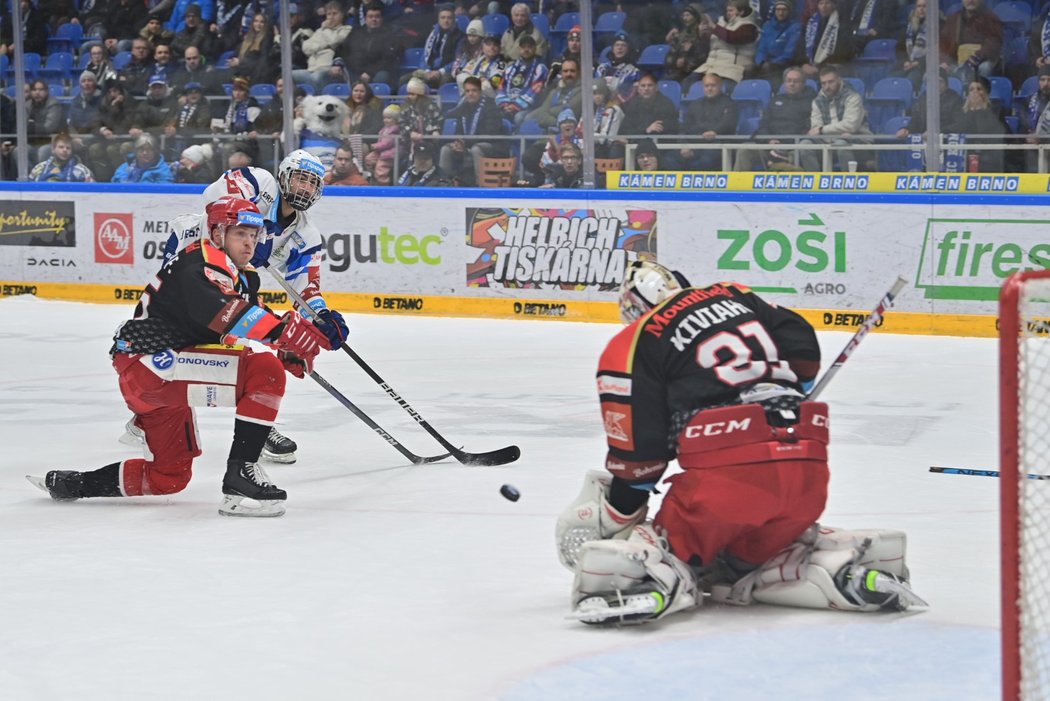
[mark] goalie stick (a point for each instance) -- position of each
(500, 456)
(339, 397)
(876, 315)
(979, 473)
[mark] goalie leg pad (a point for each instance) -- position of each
(861, 570)
(590, 517)
(631, 581)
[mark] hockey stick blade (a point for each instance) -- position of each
(979, 473)
(501, 456)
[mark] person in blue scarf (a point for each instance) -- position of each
(62, 166)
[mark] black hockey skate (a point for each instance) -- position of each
(246, 480)
(279, 448)
(62, 485)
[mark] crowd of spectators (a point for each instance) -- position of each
(177, 90)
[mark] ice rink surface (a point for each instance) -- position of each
(392, 581)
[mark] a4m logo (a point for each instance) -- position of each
(114, 238)
(968, 259)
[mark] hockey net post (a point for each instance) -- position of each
(1024, 385)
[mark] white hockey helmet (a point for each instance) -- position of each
(252, 184)
(645, 285)
(301, 177)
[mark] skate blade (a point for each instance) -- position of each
(129, 438)
(283, 459)
(39, 483)
(234, 505)
(634, 608)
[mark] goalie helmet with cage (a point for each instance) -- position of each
(301, 178)
(233, 211)
(645, 285)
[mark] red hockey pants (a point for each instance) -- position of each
(162, 389)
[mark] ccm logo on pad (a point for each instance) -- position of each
(717, 428)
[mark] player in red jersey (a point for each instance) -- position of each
(715, 377)
(180, 351)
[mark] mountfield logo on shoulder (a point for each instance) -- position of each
(661, 319)
(608, 384)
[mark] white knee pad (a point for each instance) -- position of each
(862, 570)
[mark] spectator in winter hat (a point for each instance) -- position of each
(145, 165)
(195, 165)
(646, 155)
(573, 49)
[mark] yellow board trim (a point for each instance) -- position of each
(985, 326)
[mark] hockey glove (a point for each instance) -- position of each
(332, 325)
(302, 339)
(293, 364)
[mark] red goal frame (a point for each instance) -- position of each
(1010, 481)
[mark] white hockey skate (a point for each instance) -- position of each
(248, 491)
(133, 435)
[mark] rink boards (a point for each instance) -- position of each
(533, 254)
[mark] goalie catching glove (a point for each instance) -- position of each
(591, 517)
(299, 343)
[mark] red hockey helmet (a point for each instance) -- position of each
(234, 211)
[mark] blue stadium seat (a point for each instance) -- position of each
(66, 38)
(1002, 93)
(1013, 122)
(1016, 17)
(448, 127)
(32, 64)
(609, 22)
(263, 92)
(890, 97)
(341, 90)
(85, 59)
(857, 84)
(412, 59)
(672, 89)
(560, 31)
(462, 21)
(223, 61)
(652, 58)
(748, 126)
(1015, 52)
(695, 92)
(543, 24)
(380, 89)
(530, 127)
(58, 67)
(121, 59)
(448, 95)
(495, 25)
(893, 161)
(876, 61)
(759, 92)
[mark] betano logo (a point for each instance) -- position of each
(969, 259)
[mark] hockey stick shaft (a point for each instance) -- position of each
(979, 473)
(339, 397)
(876, 315)
(500, 456)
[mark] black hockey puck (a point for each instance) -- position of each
(510, 492)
